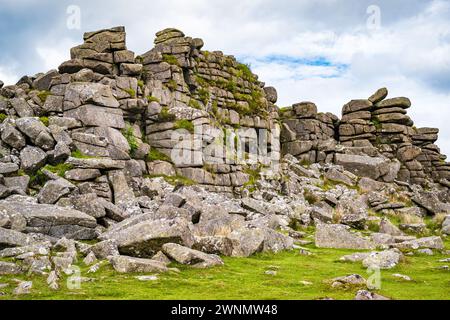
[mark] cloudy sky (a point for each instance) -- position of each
(325, 51)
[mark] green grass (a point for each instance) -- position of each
(184, 124)
(175, 180)
(170, 59)
(165, 115)
(156, 155)
(43, 95)
(60, 169)
(80, 155)
(152, 99)
(45, 121)
(172, 85)
(245, 72)
(131, 92)
(39, 178)
(245, 278)
(194, 104)
(3, 117)
(132, 141)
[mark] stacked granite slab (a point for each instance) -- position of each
(380, 127)
(432, 160)
(394, 132)
(104, 52)
(356, 128)
(307, 134)
(206, 109)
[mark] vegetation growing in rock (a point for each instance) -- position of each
(128, 133)
(156, 155)
(165, 115)
(3, 117)
(43, 95)
(170, 59)
(44, 120)
(184, 124)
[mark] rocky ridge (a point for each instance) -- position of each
(181, 154)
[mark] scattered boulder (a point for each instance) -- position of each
(339, 236)
(191, 257)
(124, 264)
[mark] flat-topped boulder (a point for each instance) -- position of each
(400, 102)
(52, 220)
(12, 238)
(339, 236)
(147, 238)
(95, 163)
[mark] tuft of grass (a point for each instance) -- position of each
(171, 59)
(141, 84)
(45, 121)
(152, 99)
(254, 175)
(245, 72)
(194, 104)
(3, 117)
(176, 180)
(184, 124)
(310, 197)
(172, 85)
(80, 155)
(131, 92)
(59, 169)
(156, 155)
(203, 95)
(132, 141)
(165, 115)
(43, 95)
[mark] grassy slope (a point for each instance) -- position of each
(245, 278)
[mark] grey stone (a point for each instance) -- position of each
(54, 190)
(6, 168)
(8, 268)
(82, 93)
(24, 287)
(36, 131)
(353, 280)
(12, 238)
(52, 220)
(339, 236)
(378, 96)
(13, 137)
(42, 83)
(191, 257)
(82, 174)
(401, 102)
(387, 227)
(428, 242)
(146, 238)
(89, 204)
(22, 108)
(367, 295)
(91, 115)
(32, 159)
(102, 164)
(363, 166)
(124, 264)
(105, 249)
(383, 260)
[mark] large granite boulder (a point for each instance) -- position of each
(339, 236)
(52, 220)
(146, 238)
